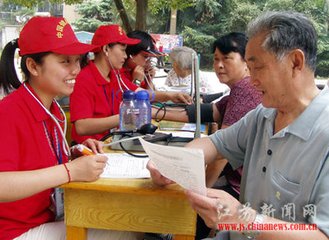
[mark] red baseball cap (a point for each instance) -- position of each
(107, 34)
(50, 34)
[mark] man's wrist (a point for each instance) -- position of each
(252, 228)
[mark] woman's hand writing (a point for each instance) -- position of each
(87, 168)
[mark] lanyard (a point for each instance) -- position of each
(54, 144)
(114, 96)
(119, 79)
(66, 147)
(111, 106)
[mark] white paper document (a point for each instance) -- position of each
(122, 165)
(185, 166)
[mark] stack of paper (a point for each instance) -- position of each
(122, 165)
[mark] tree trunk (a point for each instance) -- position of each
(141, 11)
(173, 21)
(123, 15)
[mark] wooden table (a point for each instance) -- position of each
(127, 205)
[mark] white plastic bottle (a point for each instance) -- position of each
(127, 111)
(144, 113)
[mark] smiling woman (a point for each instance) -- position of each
(34, 151)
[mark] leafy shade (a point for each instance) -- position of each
(156, 6)
(201, 43)
(33, 3)
(95, 14)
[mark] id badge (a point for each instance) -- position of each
(58, 203)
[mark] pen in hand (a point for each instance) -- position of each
(81, 150)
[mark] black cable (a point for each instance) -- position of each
(106, 136)
(128, 152)
(162, 107)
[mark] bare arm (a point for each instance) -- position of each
(213, 171)
(21, 184)
(215, 168)
(18, 185)
(90, 126)
(176, 97)
(209, 149)
(171, 114)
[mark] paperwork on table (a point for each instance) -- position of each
(122, 165)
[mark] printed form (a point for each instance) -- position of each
(185, 166)
(122, 165)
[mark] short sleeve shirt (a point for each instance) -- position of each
(94, 97)
(243, 97)
(25, 145)
(288, 168)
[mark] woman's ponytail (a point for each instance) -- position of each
(8, 75)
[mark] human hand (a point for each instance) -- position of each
(138, 73)
(149, 71)
(95, 145)
(178, 97)
(156, 176)
(219, 207)
(87, 168)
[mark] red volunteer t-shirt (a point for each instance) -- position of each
(24, 145)
(94, 97)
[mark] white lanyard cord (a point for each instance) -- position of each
(66, 147)
(148, 81)
(118, 77)
(121, 81)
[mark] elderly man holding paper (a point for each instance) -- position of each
(283, 143)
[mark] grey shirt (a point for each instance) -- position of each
(285, 170)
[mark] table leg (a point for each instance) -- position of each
(76, 233)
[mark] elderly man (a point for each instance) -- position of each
(283, 143)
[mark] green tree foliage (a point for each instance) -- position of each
(95, 13)
(33, 3)
(202, 21)
(157, 6)
(224, 16)
(200, 43)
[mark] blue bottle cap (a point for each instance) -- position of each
(142, 95)
(128, 95)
